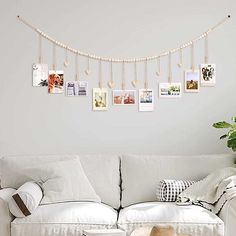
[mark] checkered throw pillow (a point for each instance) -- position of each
(168, 190)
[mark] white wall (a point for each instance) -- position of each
(32, 122)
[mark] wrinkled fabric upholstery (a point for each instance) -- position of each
(5, 216)
(193, 220)
(101, 170)
(228, 215)
(142, 173)
(65, 219)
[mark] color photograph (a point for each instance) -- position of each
(124, 97)
(192, 81)
(100, 99)
(55, 82)
(208, 74)
(40, 75)
(169, 90)
(146, 100)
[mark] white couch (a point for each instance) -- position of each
(127, 186)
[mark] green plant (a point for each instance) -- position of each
(231, 135)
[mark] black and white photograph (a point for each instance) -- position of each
(76, 88)
(146, 100)
(71, 88)
(82, 88)
(40, 75)
(208, 74)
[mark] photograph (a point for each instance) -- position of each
(146, 100)
(40, 75)
(82, 88)
(192, 81)
(208, 74)
(71, 88)
(100, 99)
(169, 90)
(76, 88)
(124, 97)
(55, 82)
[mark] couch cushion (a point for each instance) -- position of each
(64, 219)
(101, 170)
(193, 220)
(141, 174)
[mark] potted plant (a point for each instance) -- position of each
(231, 134)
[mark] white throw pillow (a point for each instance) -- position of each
(12, 169)
(63, 181)
(25, 200)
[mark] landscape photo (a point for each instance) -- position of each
(170, 90)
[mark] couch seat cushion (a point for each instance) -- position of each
(65, 219)
(193, 220)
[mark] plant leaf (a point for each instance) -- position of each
(221, 125)
(232, 134)
(234, 119)
(231, 143)
(223, 136)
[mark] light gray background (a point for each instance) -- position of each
(33, 122)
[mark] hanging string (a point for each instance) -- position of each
(169, 69)
(87, 71)
(119, 60)
(180, 64)
(54, 65)
(76, 67)
(40, 59)
(206, 50)
(100, 83)
(66, 62)
(135, 81)
(145, 75)
(158, 72)
(123, 76)
(111, 83)
(192, 57)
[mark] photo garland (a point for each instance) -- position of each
(54, 79)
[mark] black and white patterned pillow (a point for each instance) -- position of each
(168, 190)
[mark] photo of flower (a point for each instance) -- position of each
(55, 81)
(40, 75)
(208, 74)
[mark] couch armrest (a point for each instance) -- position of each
(5, 215)
(228, 215)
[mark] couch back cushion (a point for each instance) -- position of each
(141, 174)
(101, 170)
